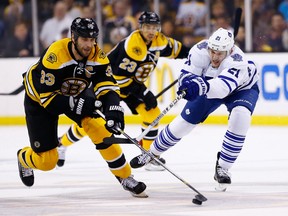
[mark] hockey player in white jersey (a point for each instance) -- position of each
(216, 72)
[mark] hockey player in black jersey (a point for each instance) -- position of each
(69, 77)
(132, 61)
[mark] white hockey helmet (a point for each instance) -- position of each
(221, 40)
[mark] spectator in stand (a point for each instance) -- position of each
(217, 9)
(285, 37)
(283, 8)
(12, 15)
(240, 39)
(277, 27)
(168, 28)
(65, 33)
(222, 21)
(165, 9)
(88, 12)
(20, 44)
(52, 28)
(189, 39)
(2, 31)
(121, 18)
(118, 34)
(261, 14)
(73, 8)
(139, 6)
(191, 14)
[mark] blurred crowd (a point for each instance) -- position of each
(185, 20)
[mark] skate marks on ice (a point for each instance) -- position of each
(92, 198)
(85, 187)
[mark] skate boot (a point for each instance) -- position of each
(222, 176)
(26, 174)
(146, 159)
(154, 166)
(137, 189)
(61, 154)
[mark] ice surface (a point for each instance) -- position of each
(84, 186)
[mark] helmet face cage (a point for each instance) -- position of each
(85, 27)
(221, 40)
(149, 18)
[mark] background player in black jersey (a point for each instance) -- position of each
(69, 77)
(132, 61)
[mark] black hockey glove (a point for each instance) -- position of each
(149, 99)
(139, 90)
(114, 119)
(84, 104)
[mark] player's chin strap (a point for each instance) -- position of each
(199, 196)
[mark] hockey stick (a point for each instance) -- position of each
(199, 196)
(15, 92)
(111, 140)
(237, 20)
(165, 89)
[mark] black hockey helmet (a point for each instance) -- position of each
(85, 27)
(149, 17)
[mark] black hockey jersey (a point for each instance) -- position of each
(132, 59)
(57, 75)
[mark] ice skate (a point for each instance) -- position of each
(154, 166)
(222, 176)
(61, 154)
(26, 174)
(146, 159)
(137, 189)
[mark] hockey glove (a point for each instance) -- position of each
(114, 119)
(149, 99)
(139, 90)
(193, 85)
(84, 104)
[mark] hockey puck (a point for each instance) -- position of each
(196, 201)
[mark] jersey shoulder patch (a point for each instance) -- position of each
(57, 54)
(101, 57)
(135, 46)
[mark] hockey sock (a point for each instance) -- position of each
(234, 138)
(74, 134)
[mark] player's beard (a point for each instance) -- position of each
(83, 51)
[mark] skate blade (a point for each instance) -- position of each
(152, 167)
(141, 195)
(221, 187)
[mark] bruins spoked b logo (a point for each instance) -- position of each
(73, 87)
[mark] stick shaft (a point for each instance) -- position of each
(163, 113)
(165, 89)
(237, 21)
(15, 92)
(135, 142)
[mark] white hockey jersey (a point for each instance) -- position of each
(235, 72)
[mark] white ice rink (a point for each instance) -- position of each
(84, 186)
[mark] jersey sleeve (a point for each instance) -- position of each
(197, 60)
(231, 78)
